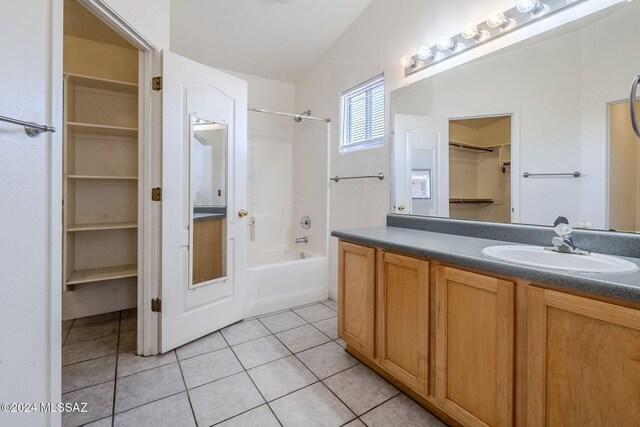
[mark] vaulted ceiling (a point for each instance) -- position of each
(277, 39)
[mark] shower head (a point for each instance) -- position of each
(298, 117)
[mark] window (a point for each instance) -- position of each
(362, 112)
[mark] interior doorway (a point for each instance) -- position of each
(624, 170)
(480, 168)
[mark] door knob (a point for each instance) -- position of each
(401, 208)
(242, 213)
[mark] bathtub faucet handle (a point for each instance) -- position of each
(303, 239)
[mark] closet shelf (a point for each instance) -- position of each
(100, 274)
(471, 201)
(103, 178)
(102, 129)
(100, 83)
(102, 226)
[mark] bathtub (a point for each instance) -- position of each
(286, 278)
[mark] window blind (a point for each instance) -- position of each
(363, 114)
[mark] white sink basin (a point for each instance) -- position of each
(537, 256)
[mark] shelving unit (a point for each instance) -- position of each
(100, 180)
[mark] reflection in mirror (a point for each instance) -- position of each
(508, 131)
(479, 168)
(208, 166)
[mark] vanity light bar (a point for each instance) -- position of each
(497, 24)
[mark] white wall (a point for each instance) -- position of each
(270, 166)
(29, 253)
(384, 32)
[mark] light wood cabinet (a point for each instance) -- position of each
(356, 315)
(583, 361)
(403, 319)
(207, 250)
(447, 337)
(475, 347)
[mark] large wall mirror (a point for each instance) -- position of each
(537, 130)
(208, 169)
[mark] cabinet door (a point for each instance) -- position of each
(403, 328)
(475, 347)
(583, 361)
(356, 300)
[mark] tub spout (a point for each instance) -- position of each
(304, 239)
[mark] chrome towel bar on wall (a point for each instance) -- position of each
(380, 176)
(575, 174)
(31, 129)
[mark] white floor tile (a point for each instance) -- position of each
(312, 406)
(224, 399)
(302, 338)
(170, 411)
(209, 367)
(327, 359)
(147, 386)
(281, 377)
(260, 351)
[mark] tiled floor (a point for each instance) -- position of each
(282, 369)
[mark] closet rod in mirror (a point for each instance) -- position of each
(458, 144)
(380, 176)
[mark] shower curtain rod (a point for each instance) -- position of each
(278, 113)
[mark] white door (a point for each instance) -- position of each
(421, 165)
(192, 92)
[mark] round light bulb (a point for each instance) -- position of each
(445, 43)
(424, 53)
(497, 19)
(470, 31)
(525, 6)
(407, 62)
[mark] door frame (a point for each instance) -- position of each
(149, 172)
(514, 113)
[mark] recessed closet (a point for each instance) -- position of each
(480, 168)
(100, 193)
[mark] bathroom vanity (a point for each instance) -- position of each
(482, 342)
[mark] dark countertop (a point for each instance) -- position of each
(204, 213)
(467, 252)
(207, 216)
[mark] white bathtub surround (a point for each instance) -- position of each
(284, 279)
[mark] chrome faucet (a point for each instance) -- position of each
(303, 239)
(563, 242)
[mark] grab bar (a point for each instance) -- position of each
(380, 176)
(575, 174)
(31, 129)
(632, 105)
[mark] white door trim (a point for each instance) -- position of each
(55, 209)
(150, 176)
(149, 172)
